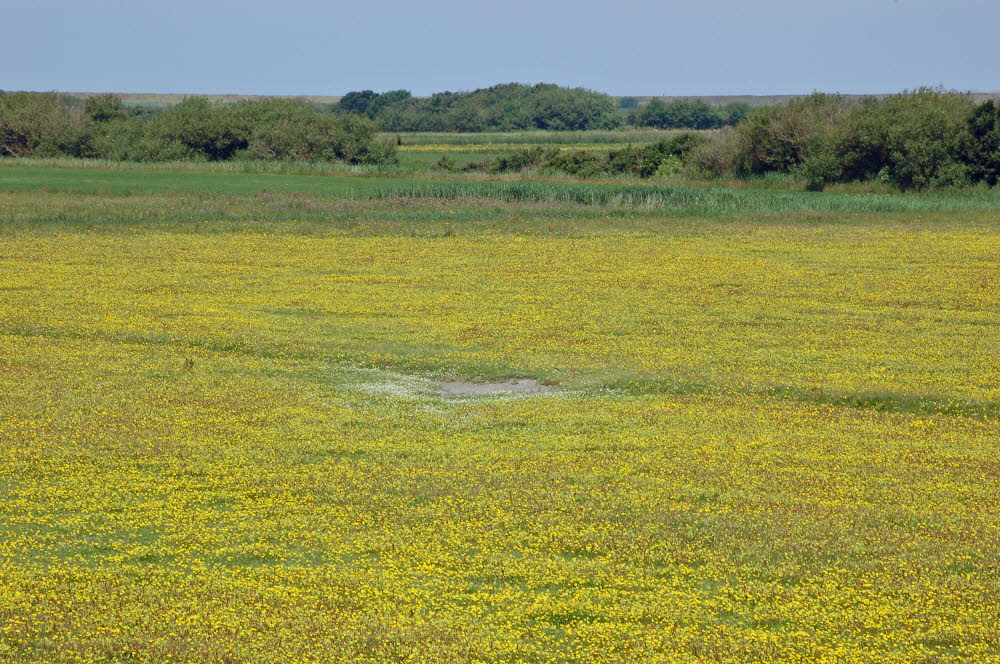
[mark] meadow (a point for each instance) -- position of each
(771, 434)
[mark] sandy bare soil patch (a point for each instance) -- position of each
(513, 386)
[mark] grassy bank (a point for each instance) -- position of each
(663, 199)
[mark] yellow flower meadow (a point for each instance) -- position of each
(769, 443)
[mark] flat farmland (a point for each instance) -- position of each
(769, 429)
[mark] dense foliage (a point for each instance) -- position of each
(41, 124)
(506, 107)
(920, 139)
(656, 159)
(927, 138)
(689, 114)
(513, 106)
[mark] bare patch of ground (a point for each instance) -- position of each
(513, 386)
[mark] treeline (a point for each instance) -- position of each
(513, 107)
(684, 114)
(507, 107)
(48, 125)
(915, 140)
(928, 138)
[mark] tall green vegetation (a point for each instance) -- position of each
(915, 140)
(689, 114)
(506, 107)
(984, 153)
(512, 106)
(662, 158)
(30, 121)
(34, 124)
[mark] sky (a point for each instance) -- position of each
(624, 47)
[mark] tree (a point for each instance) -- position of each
(356, 102)
(680, 114)
(29, 120)
(385, 100)
(504, 107)
(101, 108)
(984, 152)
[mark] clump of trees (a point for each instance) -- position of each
(513, 106)
(506, 107)
(688, 114)
(44, 125)
(915, 140)
(660, 159)
(370, 103)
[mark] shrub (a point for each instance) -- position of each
(205, 129)
(780, 138)
(680, 114)
(912, 140)
(101, 108)
(734, 113)
(519, 160)
(726, 154)
(281, 129)
(134, 139)
(29, 120)
(355, 102)
(642, 161)
(671, 165)
(287, 130)
(927, 132)
(582, 163)
(983, 155)
(386, 100)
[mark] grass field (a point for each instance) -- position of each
(420, 151)
(772, 435)
(520, 138)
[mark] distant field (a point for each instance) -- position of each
(522, 138)
(769, 432)
(159, 99)
(771, 100)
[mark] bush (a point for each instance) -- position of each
(983, 155)
(724, 155)
(101, 108)
(205, 129)
(733, 114)
(927, 132)
(385, 100)
(29, 120)
(671, 165)
(134, 139)
(519, 160)
(913, 140)
(288, 130)
(355, 102)
(642, 161)
(680, 114)
(274, 129)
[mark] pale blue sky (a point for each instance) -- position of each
(625, 47)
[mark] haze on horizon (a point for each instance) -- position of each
(627, 48)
